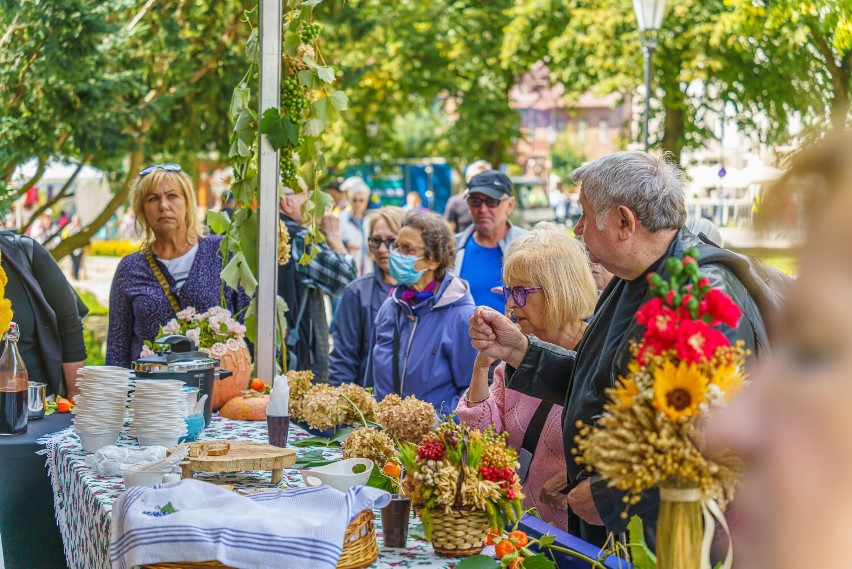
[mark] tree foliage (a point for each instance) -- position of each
(117, 83)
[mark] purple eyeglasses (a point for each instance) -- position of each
(519, 293)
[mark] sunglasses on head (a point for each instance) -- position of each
(169, 167)
(519, 293)
(375, 242)
(491, 203)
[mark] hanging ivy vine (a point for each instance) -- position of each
(309, 103)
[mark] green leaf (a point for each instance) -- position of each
(311, 3)
(546, 540)
(539, 561)
(341, 434)
(250, 320)
(239, 101)
(292, 41)
(244, 134)
(244, 191)
(315, 441)
(248, 241)
(322, 201)
(279, 130)
(643, 557)
(314, 127)
(321, 109)
(306, 78)
(325, 73)
(231, 272)
(253, 46)
(477, 562)
(247, 279)
(218, 221)
(339, 100)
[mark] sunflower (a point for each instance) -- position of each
(624, 392)
(729, 378)
(678, 391)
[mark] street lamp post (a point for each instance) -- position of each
(649, 16)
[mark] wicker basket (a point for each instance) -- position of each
(359, 548)
(460, 533)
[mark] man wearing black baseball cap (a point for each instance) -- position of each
(480, 248)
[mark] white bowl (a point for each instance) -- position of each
(338, 475)
(91, 442)
(157, 441)
(134, 478)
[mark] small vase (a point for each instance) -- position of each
(680, 529)
(395, 518)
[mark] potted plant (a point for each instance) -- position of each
(462, 483)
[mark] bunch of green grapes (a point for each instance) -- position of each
(310, 32)
(293, 98)
(288, 171)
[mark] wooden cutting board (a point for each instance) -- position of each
(242, 456)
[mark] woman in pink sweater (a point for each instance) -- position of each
(550, 292)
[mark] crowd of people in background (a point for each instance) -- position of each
(523, 328)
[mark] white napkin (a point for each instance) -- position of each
(197, 521)
(279, 397)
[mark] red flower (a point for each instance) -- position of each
(696, 341)
(721, 308)
(660, 323)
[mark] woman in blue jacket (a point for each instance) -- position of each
(361, 301)
(419, 342)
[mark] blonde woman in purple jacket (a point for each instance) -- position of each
(550, 291)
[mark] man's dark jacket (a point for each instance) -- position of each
(578, 379)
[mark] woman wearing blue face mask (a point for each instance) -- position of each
(418, 345)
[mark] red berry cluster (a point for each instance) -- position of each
(502, 476)
(431, 449)
(510, 493)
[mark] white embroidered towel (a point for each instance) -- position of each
(196, 521)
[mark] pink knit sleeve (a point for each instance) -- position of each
(489, 411)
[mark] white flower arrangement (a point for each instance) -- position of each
(213, 332)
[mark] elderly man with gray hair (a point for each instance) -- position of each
(633, 217)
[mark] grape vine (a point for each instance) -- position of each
(309, 103)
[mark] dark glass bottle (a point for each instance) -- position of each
(13, 386)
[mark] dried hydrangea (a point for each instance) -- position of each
(300, 382)
(408, 419)
(368, 443)
(322, 409)
(362, 399)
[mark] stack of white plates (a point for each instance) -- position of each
(159, 409)
(99, 415)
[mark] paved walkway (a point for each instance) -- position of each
(96, 275)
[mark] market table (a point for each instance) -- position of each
(84, 501)
(30, 536)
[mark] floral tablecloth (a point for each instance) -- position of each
(84, 501)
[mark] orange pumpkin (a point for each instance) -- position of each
(249, 406)
(239, 362)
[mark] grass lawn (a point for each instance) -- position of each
(784, 260)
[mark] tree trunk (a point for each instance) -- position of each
(59, 195)
(42, 166)
(840, 104)
(674, 135)
(66, 246)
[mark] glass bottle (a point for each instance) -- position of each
(13, 386)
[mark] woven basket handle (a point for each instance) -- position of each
(460, 481)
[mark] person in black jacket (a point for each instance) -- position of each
(47, 312)
(633, 216)
(302, 286)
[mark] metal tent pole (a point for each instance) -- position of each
(270, 97)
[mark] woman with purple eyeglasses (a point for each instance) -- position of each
(177, 267)
(550, 292)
